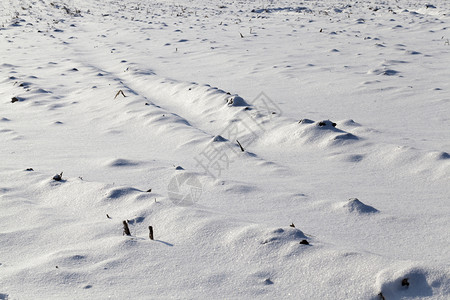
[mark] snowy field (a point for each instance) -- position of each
(279, 149)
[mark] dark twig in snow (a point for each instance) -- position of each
(242, 149)
(126, 230)
(405, 282)
(118, 93)
(58, 177)
(150, 228)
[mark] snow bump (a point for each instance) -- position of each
(354, 205)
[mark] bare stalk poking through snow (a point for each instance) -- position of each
(242, 149)
(405, 282)
(126, 230)
(58, 177)
(150, 228)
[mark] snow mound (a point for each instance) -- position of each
(307, 132)
(219, 138)
(121, 192)
(121, 162)
(349, 123)
(123, 92)
(306, 121)
(353, 205)
(236, 101)
(383, 71)
(283, 235)
(253, 241)
(441, 155)
(345, 136)
(435, 164)
(412, 282)
(353, 158)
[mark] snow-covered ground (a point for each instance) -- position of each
(342, 109)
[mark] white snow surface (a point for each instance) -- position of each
(342, 109)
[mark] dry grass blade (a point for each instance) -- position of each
(118, 93)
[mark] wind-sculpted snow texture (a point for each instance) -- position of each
(278, 149)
